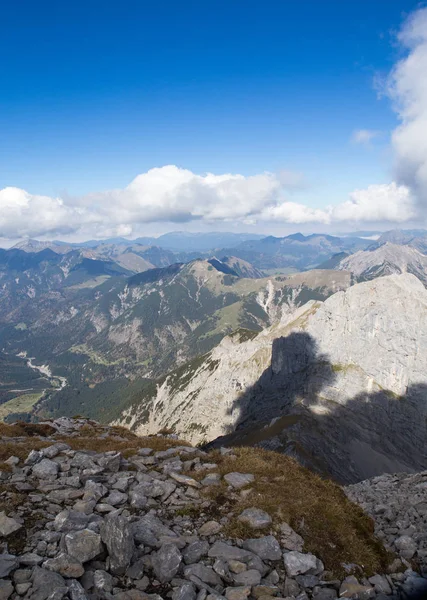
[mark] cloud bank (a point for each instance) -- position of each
(171, 194)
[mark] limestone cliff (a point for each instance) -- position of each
(341, 384)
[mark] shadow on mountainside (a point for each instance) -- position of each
(295, 408)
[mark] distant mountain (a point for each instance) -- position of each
(156, 323)
(28, 276)
(334, 261)
(182, 241)
(242, 268)
(387, 259)
(296, 250)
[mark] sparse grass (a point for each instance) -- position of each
(334, 529)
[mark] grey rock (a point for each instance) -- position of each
(117, 535)
(263, 590)
(228, 552)
(325, 594)
(250, 577)
(297, 563)
(46, 469)
(70, 520)
(255, 518)
(290, 539)
(76, 590)
(22, 588)
(205, 574)
(237, 593)
(166, 562)
(136, 571)
(116, 498)
(149, 529)
(184, 479)
(65, 565)
(267, 548)
(239, 480)
(30, 559)
(380, 584)
(6, 589)
(45, 583)
(83, 545)
(406, 546)
(210, 528)
(102, 581)
(195, 551)
(211, 479)
(186, 591)
(8, 562)
(8, 525)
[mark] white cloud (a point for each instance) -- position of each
(173, 195)
(407, 86)
(387, 202)
(364, 136)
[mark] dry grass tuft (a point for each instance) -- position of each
(21, 429)
(334, 529)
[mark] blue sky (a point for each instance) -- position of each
(94, 93)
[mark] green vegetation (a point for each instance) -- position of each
(20, 404)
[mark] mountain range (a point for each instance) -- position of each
(213, 344)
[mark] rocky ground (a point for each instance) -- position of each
(398, 505)
(83, 524)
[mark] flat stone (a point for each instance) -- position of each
(210, 528)
(46, 469)
(8, 525)
(65, 565)
(236, 566)
(297, 563)
(228, 552)
(184, 479)
(166, 562)
(250, 577)
(255, 518)
(237, 593)
(8, 562)
(267, 548)
(239, 480)
(30, 559)
(205, 574)
(356, 590)
(260, 591)
(83, 545)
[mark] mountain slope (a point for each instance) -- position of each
(341, 384)
(388, 259)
